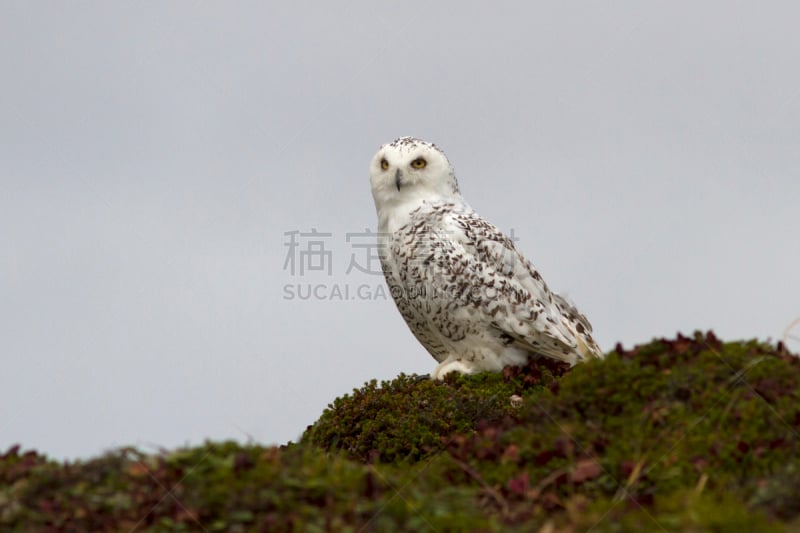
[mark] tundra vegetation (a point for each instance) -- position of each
(683, 434)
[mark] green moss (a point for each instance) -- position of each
(687, 434)
(410, 418)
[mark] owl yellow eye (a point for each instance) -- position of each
(419, 163)
(384, 164)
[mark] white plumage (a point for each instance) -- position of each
(464, 290)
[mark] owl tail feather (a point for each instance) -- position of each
(588, 350)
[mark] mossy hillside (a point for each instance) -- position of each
(222, 487)
(675, 420)
(663, 423)
(689, 434)
(409, 418)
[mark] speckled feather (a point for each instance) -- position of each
(467, 294)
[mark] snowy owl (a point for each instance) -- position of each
(472, 300)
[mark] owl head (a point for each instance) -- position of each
(407, 170)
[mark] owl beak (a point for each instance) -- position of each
(398, 178)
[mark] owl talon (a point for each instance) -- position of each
(451, 365)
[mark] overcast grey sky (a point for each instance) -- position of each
(154, 155)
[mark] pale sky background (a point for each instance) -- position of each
(153, 156)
